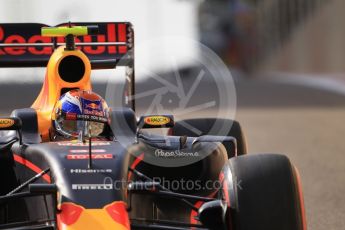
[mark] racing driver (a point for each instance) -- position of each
(80, 114)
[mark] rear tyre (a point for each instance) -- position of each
(206, 125)
(263, 193)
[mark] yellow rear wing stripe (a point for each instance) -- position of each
(64, 31)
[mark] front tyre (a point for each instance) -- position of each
(264, 193)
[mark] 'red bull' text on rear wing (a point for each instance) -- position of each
(22, 45)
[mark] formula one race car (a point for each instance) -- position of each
(70, 162)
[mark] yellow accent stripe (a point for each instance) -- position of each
(63, 31)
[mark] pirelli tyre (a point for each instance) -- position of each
(263, 192)
(211, 126)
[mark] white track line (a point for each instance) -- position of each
(334, 83)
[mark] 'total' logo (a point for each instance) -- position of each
(87, 156)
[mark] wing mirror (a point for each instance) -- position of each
(12, 123)
(212, 214)
(156, 121)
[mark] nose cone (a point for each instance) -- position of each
(75, 217)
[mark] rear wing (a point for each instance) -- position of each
(21, 44)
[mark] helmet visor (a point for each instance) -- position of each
(75, 127)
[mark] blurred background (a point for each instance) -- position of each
(287, 59)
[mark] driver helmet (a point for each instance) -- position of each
(80, 113)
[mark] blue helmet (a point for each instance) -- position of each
(80, 112)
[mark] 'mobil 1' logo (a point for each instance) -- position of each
(157, 120)
(5, 123)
